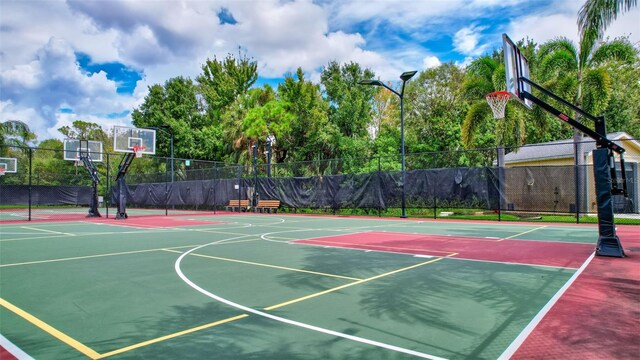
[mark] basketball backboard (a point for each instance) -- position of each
(74, 147)
(126, 138)
(516, 67)
(10, 165)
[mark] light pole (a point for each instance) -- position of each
(405, 76)
(271, 140)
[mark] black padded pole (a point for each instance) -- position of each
(608, 242)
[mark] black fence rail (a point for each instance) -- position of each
(537, 179)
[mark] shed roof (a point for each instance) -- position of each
(562, 148)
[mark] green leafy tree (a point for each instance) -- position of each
(623, 111)
(177, 109)
(479, 129)
(83, 130)
(436, 108)
(349, 102)
(15, 133)
(584, 75)
(243, 124)
(223, 81)
(311, 135)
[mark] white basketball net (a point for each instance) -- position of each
(2, 171)
(498, 102)
(138, 150)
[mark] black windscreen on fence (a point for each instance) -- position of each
(458, 187)
(441, 181)
(45, 195)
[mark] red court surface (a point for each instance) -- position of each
(6, 355)
(599, 315)
(570, 255)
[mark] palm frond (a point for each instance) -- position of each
(597, 15)
(475, 88)
(477, 115)
(499, 78)
(588, 44)
(596, 90)
(619, 50)
(557, 44)
(482, 67)
(558, 62)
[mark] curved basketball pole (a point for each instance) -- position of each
(121, 199)
(604, 171)
(91, 168)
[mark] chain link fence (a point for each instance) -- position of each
(523, 182)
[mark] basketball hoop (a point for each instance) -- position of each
(138, 150)
(2, 171)
(498, 102)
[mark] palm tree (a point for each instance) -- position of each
(596, 15)
(14, 133)
(484, 75)
(583, 75)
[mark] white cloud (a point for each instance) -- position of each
(467, 40)
(39, 74)
(35, 92)
(560, 20)
(430, 62)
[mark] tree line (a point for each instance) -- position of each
(221, 113)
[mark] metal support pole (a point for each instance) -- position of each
(173, 173)
(404, 210)
(30, 175)
(269, 158)
(107, 195)
(405, 76)
(166, 189)
(254, 201)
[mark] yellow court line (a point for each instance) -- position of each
(267, 265)
(51, 330)
(350, 284)
(171, 336)
(524, 232)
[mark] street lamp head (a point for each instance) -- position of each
(407, 75)
(371, 82)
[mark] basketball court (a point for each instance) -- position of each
(269, 286)
(272, 286)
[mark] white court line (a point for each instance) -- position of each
(292, 322)
(541, 314)
(13, 349)
(34, 238)
(47, 231)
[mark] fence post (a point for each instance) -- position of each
(240, 185)
(166, 184)
(379, 182)
(30, 175)
(500, 175)
(576, 174)
(214, 183)
(107, 195)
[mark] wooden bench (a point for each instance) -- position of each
(268, 205)
(239, 204)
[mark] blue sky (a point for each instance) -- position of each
(94, 60)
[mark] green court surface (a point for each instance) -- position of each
(257, 287)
